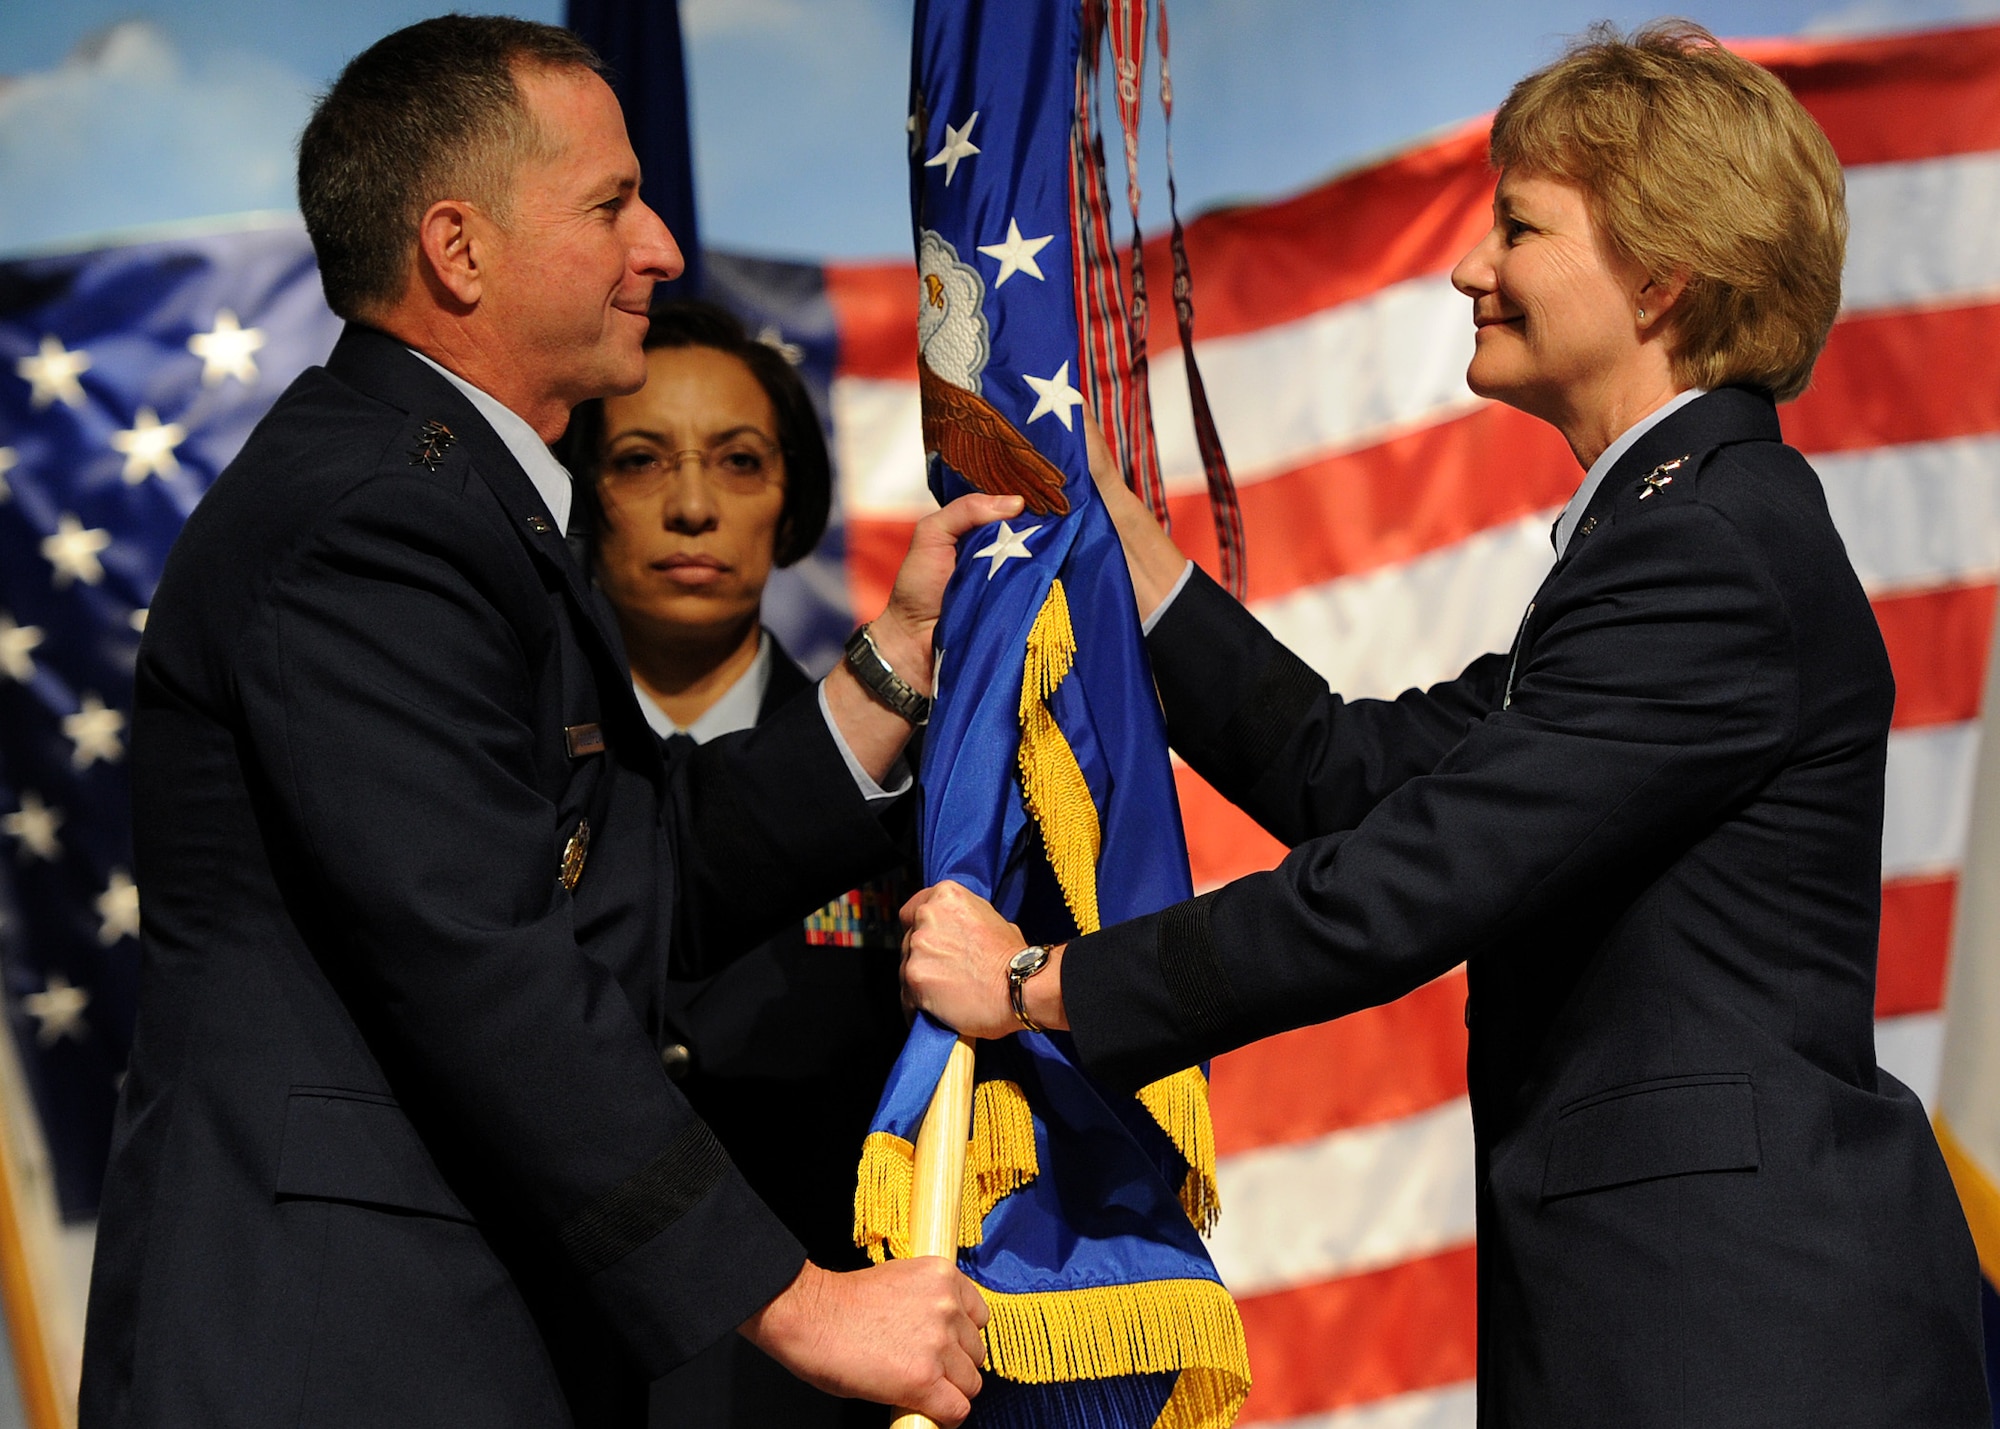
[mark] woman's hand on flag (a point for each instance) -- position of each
(956, 947)
(1151, 556)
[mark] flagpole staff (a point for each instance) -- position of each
(939, 1181)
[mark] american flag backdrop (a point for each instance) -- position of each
(1395, 524)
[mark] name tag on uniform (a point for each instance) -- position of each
(583, 739)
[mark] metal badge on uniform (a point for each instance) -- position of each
(1659, 478)
(540, 525)
(432, 443)
(583, 739)
(1589, 525)
(573, 855)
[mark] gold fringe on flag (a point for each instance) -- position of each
(1180, 1105)
(1104, 1332)
(1056, 794)
(999, 1160)
(882, 1190)
(1001, 1157)
(1052, 783)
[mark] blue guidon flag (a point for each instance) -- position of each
(1047, 786)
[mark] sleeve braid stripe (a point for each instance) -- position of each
(1192, 973)
(646, 1202)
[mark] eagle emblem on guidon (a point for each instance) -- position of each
(960, 425)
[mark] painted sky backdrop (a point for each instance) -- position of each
(119, 114)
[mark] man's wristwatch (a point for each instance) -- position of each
(884, 683)
(1022, 966)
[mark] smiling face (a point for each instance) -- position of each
(1555, 309)
(688, 541)
(570, 273)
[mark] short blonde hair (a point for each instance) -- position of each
(1697, 161)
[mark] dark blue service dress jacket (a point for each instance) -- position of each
(1652, 832)
(397, 1146)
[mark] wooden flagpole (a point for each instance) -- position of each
(41, 1330)
(939, 1182)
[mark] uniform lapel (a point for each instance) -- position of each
(384, 368)
(1721, 418)
(1678, 444)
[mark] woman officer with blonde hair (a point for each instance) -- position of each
(1651, 830)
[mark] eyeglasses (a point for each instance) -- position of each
(743, 464)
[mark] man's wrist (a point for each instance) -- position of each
(788, 1313)
(902, 651)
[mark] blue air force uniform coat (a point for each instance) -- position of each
(396, 1146)
(1652, 832)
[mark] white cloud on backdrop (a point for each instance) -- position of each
(798, 123)
(127, 132)
(705, 19)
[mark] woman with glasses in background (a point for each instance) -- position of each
(699, 485)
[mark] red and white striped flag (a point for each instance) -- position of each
(1396, 526)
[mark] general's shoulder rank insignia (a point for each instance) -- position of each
(432, 443)
(574, 853)
(1660, 477)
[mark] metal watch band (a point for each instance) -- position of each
(1022, 966)
(884, 683)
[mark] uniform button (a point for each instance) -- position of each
(677, 1059)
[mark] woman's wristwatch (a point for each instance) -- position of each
(884, 683)
(1022, 966)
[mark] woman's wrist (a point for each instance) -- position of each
(1042, 994)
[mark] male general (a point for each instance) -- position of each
(396, 1146)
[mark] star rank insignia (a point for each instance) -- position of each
(1660, 477)
(432, 443)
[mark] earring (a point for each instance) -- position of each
(1642, 315)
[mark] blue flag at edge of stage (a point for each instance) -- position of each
(1047, 786)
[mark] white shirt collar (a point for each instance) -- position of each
(1573, 513)
(551, 479)
(737, 709)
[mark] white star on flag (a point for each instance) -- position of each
(149, 446)
(73, 551)
(137, 619)
(17, 645)
(9, 459)
(52, 373)
(1054, 394)
(225, 350)
(58, 1010)
(1007, 544)
(956, 146)
(1017, 254)
(94, 731)
(34, 826)
(118, 909)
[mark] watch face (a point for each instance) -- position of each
(1027, 961)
